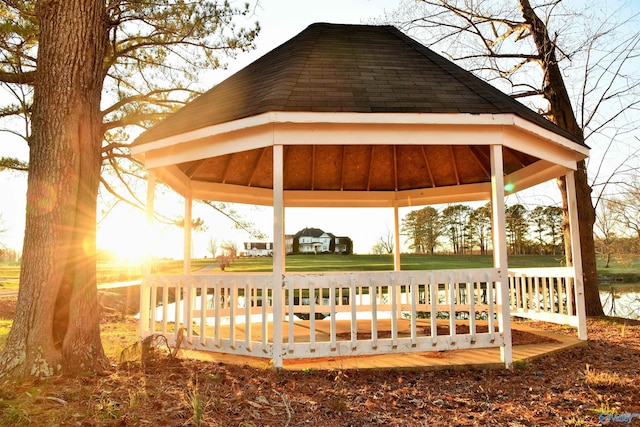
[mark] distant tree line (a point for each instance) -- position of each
(617, 226)
(460, 229)
(9, 255)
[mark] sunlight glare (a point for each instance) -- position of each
(125, 238)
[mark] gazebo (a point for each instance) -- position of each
(357, 116)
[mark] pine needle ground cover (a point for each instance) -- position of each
(581, 387)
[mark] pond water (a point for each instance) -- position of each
(621, 300)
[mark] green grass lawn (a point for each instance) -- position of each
(385, 262)
(9, 274)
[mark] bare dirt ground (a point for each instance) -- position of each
(578, 387)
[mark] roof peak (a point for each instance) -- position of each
(359, 68)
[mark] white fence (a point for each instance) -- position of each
(546, 294)
(328, 314)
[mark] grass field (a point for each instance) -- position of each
(385, 262)
(626, 271)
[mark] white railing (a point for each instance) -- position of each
(546, 294)
(386, 312)
(392, 312)
(209, 308)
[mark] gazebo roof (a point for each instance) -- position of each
(358, 108)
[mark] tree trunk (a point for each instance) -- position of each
(561, 113)
(56, 327)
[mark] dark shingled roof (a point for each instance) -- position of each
(346, 68)
(310, 232)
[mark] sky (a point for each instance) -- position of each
(280, 20)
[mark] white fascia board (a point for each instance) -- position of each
(340, 128)
(213, 134)
(203, 133)
(219, 145)
(385, 134)
(531, 144)
(308, 128)
(280, 117)
(582, 152)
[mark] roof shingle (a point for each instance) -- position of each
(346, 68)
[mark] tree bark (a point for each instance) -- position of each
(561, 113)
(56, 327)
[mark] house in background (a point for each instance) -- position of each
(316, 241)
(305, 241)
(343, 245)
(258, 249)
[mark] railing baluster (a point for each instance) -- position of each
(545, 293)
(203, 313)
(354, 318)
(414, 311)
(312, 316)
(233, 302)
(491, 301)
(373, 296)
(247, 314)
(452, 308)
(433, 291)
(165, 307)
(265, 319)
(217, 300)
(472, 308)
(552, 294)
(179, 303)
(332, 311)
(536, 285)
(394, 312)
(188, 305)
(290, 290)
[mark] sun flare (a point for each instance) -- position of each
(126, 239)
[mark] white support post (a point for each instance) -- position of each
(145, 290)
(576, 256)
(396, 237)
(278, 252)
(500, 261)
(187, 294)
(188, 229)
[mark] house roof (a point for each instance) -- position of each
(310, 232)
(346, 68)
(366, 116)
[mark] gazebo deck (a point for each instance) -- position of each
(545, 344)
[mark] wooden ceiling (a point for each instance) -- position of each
(356, 167)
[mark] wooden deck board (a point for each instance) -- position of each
(455, 359)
